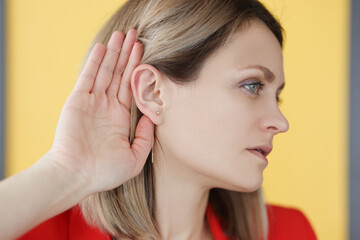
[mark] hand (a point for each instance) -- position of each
(92, 136)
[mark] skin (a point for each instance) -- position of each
(91, 151)
(205, 128)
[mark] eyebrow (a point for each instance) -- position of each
(269, 75)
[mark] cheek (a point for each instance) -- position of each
(205, 132)
(188, 132)
(193, 132)
(209, 137)
(230, 124)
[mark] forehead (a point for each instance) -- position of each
(253, 45)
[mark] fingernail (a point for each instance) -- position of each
(137, 41)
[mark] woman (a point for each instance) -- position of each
(167, 138)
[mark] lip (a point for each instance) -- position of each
(266, 149)
(258, 154)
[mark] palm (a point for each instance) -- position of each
(93, 129)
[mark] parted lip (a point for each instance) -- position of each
(265, 149)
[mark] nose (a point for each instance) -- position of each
(274, 121)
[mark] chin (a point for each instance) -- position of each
(251, 185)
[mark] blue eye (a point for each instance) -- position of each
(254, 87)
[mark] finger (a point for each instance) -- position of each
(142, 144)
(121, 64)
(87, 76)
(125, 93)
(107, 66)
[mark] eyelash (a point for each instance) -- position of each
(261, 86)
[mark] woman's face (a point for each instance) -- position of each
(207, 128)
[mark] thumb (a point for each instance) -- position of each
(144, 138)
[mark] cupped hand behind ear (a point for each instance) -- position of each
(92, 135)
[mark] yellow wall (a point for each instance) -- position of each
(47, 41)
(309, 166)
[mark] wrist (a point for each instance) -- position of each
(48, 189)
(71, 185)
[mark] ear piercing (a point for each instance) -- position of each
(152, 151)
(152, 155)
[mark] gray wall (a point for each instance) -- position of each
(354, 126)
(2, 88)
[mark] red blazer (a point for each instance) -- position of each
(284, 224)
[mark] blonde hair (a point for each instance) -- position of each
(178, 36)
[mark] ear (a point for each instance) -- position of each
(146, 88)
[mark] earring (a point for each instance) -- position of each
(152, 155)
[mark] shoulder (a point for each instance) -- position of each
(288, 222)
(66, 225)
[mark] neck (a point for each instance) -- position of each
(180, 203)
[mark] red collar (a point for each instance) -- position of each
(214, 224)
(78, 229)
